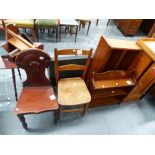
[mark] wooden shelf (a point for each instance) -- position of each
(103, 84)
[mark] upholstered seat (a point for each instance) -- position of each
(73, 91)
(46, 23)
(23, 23)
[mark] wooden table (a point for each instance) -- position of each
(6, 64)
(69, 23)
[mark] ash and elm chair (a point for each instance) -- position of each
(37, 95)
(47, 24)
(72, 92)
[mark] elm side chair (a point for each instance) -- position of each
(37, 95)
(72, 92)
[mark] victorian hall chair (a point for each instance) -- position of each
(37, 95)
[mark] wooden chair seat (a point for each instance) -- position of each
(36, 100)
(73, 91)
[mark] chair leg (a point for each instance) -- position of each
(58, 115)
(108, 22)
(14, 83)
(19, 73)
(24, 30)
(48, 32)
(97, 22)
(33, 34)
(22, 120)
(37, 34)
(85, 108)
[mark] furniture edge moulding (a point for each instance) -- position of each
(147, 49)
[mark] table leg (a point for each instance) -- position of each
(88, 27)
(60, 34)
(57, 33)
(14, 83)
(97, 21)
(76, 33)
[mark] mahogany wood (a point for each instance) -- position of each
(37, 95)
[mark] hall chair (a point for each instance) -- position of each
(37, 95)
(73, 94)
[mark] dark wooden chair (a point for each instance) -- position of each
(37, 95)
(72, 92)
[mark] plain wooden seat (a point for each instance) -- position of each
(70, 87)
(36, 99)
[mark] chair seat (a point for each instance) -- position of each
(36, 99)
(46, 23)
(73, 91)
(23, 23)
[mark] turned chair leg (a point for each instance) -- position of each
(22, 120)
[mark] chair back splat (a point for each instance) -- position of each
(69, 67)
(34, 62)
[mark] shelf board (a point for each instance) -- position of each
(115, 83)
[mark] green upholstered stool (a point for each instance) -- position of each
(47, 24)
(23, 23)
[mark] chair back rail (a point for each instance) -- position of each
(71, 66)
(34, 62)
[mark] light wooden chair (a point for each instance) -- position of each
(72, 92)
